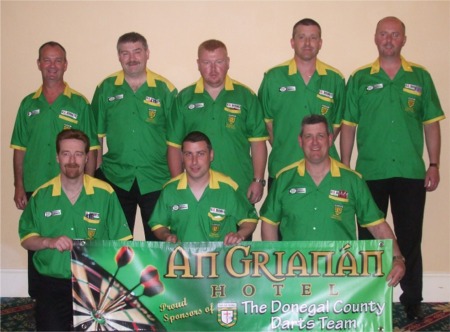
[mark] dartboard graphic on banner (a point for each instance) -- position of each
(102, 303)
(252, 286)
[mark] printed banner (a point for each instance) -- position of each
(253, 286)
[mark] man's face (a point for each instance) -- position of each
(197, 159)
(315, 142)
(71, 158)
(133, 57)
(52, 63)
(213, 66)
(390, 37)
(306, 42)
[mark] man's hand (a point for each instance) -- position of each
(233, 238)
(397, 272)
(171, 238)
(60, 243)
(432, 178)
(255, 192)
(20, 197)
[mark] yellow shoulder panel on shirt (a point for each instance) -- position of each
(90, 183)
(283, 64)
(55, 182)
(216, 177)
(369, 65)
(326, 66)
(287, 168)
(158, 77)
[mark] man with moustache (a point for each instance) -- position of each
(73, 205)
(301, 86)
(393, 102)
(42, 115)
(202, 204)
(132, 109)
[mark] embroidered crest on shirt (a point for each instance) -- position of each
(91, 233)
(177, 207)
(151, 115)
(287, 88)
(231, 120)
(297, 191)
(33, 112)
(410, 106)
(374, 87)
(324, 109)
(113, 98)
(338, 209)
(196, 105)
(49, 214)
(152, 101)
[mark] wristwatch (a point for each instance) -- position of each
(401, 258)
(434, 165)
(262, 181)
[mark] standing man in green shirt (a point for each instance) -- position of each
(202, 204)
(41, 116)
(132, 109)
(230, 114)
(317, 198)
(73, 205)
(393, 102)
(301, 86)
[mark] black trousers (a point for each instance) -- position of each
(407, 199)
(54, 308)
(33, 275)
(130, 200)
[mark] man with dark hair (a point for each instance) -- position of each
(73, 205)
(230, 114)
(132, 108)
(393, 102)
(301, 86)
(201, 204)
(317, 198)
(41, 116)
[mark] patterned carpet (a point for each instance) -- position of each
(17, 315)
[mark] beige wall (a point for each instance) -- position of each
(257, 34)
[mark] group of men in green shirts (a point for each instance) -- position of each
(218, 127)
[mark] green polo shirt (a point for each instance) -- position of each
(307, 212)
(220, 210)
(232, 122)
(96, 215)
(135, 125)
(390, 115)
(37, 125)
(286, 100)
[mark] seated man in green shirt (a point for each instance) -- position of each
(73, 205)
(317, 199)
(201, 204)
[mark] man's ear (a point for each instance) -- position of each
(300, 141)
